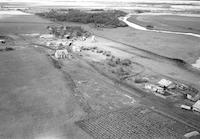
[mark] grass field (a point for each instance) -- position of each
(22, 24)
(169, 22)
(169, 45)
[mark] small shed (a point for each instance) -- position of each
(61, 54)
(93, 38)
(186, 107)
(49, 43)
(2, 41)
(75, 48)
(154, 88)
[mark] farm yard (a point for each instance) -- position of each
(112, 64)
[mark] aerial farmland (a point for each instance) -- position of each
(90, 72)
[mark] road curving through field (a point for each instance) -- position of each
(138, 27)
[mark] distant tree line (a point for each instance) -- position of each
(142, 11)
(107, 18)
(97, 10)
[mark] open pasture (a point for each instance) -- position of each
(19, 24)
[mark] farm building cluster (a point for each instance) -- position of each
(62, 40)
(165, 88)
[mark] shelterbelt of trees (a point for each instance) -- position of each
(108, 18)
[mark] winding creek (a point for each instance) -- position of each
(138, 27)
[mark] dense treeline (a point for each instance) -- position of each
(97, 10)
(102, 19)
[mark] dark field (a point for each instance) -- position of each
(133, 123)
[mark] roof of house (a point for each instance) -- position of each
(164, 82)
(197, 105)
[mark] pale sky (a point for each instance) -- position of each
(97, 0)
(85, 1)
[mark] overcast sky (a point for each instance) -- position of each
(94, 0)
(60, 2)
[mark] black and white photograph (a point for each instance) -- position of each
(99, 69)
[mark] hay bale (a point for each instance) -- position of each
(99, 51)
(85, 48)
(94, 48)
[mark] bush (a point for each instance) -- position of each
(141, 80)
(108, 55)
(99, 51)
(112, 63)
(142, 11)
(117, 60)
(122, 71)
(9, 49)
(126, 62)
(97, 10)
(149, 26)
